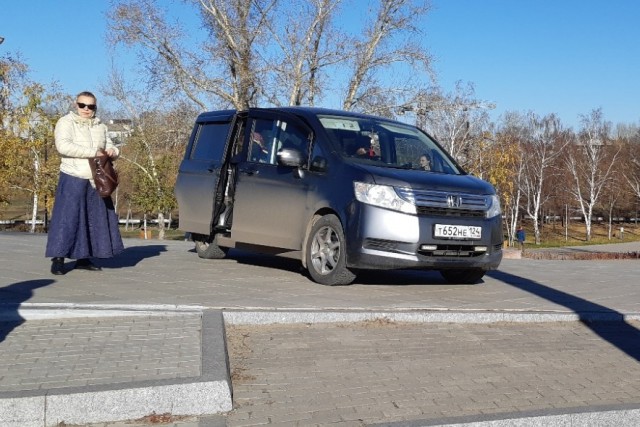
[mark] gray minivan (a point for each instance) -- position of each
(340, 191)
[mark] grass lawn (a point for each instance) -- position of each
(555, 235)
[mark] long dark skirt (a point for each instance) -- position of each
(83, 224)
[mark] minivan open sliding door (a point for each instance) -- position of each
(203, 173)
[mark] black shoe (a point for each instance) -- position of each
(57, 266)
(85, 264)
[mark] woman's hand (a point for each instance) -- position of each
(110, 152)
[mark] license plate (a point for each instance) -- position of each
(458, 231)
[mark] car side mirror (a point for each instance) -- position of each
(318, 164)
(290, 157)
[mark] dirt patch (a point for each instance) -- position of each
(376, 323)
(162, 418)
(237, 346)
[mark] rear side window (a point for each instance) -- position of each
(210, 141)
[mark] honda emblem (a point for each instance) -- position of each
(454, 201)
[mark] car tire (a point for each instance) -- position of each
(466, 276)
(207, 248)
(326, 252)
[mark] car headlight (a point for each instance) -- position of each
(494, 209)
(383, 196)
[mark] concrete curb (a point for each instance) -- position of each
(44, 311)
(265, 317)
(621, 415)
(253, 316)
(210, 393)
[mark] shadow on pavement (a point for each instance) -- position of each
(364, 277)
(621, 334)
(12, 296)
(264, 260)
(132, 256)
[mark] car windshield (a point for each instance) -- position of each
(387, 144)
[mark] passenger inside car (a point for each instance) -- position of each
(425, 162)
(259, 152)
(360, 146)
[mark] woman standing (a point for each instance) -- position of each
(83, 224)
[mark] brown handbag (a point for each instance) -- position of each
(104, 174)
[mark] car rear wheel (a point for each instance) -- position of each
(467, 276)
(207, 248)
(326, 252)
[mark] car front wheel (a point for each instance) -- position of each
(326, 252)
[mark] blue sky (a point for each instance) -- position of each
(548, 56)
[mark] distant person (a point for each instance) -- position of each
(425, 162)
(83, 224)
(520, 237)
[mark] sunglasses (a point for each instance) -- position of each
(91, 107)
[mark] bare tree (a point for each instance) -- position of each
(515, 200)
(309, 44)
(266, 51)
(386, 41)
(546, 141)
(13, 75)
(151, 154)
(611, 198)
(223, 71)
(457, 120)
(632, 172)
(236, 28)
(141, 24)
(591, 162)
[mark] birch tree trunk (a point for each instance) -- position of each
(591, 162)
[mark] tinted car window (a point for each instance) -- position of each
(210, 141)
(269, 136)
(408, 150)
(261, 141)
(384, 143)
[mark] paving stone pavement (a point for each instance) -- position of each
(51, 354)
(395, 348)
(383, 372)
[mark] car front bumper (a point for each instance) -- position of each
(379, 238)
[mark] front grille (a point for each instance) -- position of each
(437, 211)
(444, 203)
